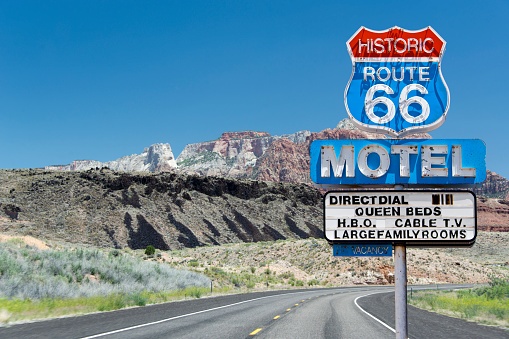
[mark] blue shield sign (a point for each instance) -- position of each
(396, 87)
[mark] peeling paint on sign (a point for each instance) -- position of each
(396, 86)
(398, 161)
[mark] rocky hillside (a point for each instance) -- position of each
(289, 162)
(156, 158)
(311, 261)
(166, 210)
(234, 154)
(286, 161)
(260, 156)
(495, 186)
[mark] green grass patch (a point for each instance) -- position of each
(486, 305)
(17, 309)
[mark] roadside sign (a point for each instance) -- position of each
(425, 162)
(362, 250)
(396, 86)
(430, 217)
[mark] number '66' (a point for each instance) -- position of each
(404, 102)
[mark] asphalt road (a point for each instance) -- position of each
(319, 313)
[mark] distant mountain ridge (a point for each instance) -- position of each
(234, 154)
(253, 155)
(156, 158)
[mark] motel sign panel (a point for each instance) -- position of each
(387, 162)
(414, 217)
(396, 87)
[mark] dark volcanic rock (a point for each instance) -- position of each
(166, 210)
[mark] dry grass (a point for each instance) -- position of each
(311, 260)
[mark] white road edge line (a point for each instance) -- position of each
(372, 316)
(185, 315)
(380, 321)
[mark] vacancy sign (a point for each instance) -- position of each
(413, 217)
(396, 86)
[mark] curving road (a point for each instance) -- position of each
(350, 312)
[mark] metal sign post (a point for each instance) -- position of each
(400, 282)
(400, 286)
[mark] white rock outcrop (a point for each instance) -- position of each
(157, 157)
(346, 124)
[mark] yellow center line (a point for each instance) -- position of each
(277, 316)
(288, 309)
(296, 304)
(255, 331)
(309, 298)
(303, 300)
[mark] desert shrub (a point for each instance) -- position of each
(287, 275)
(197, 292)
(150, 250)
(313, 282)
(497, 289)
(236, 281)
(37, 274)
(137, 299)
(217, 271)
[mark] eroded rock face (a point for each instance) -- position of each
(492, 214)
(290, 162)
(233, 155)
(157, 157)
(243, 135)
(495, 186)
(166, 210)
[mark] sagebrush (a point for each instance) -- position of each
(27, 272)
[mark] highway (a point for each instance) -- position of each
(347, 312)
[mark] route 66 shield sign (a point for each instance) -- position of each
(396, 87)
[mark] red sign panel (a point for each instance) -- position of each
(396, 43)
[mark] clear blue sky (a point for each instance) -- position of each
(103, 79)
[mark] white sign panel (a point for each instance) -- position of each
(411, 217)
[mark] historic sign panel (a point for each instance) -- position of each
(398, 161)
(411, 217)
(396, 86)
